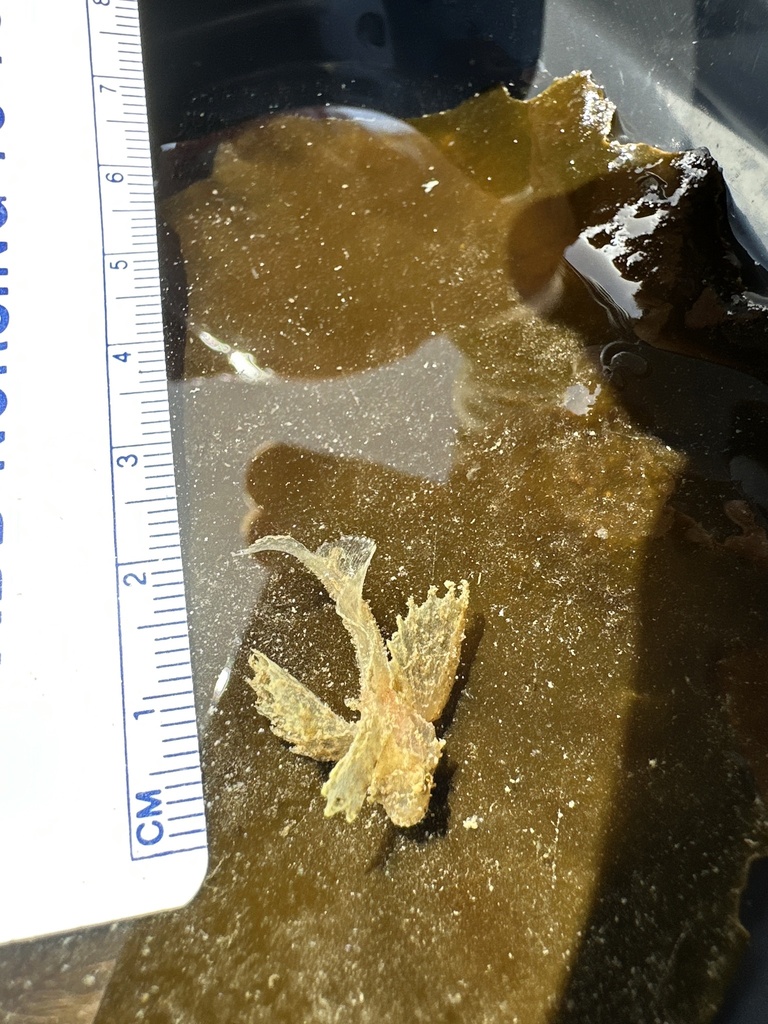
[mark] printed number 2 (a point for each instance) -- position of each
(131, 577)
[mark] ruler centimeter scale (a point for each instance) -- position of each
(162, 757)
(99, 757)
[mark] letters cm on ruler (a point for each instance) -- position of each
(164, 787)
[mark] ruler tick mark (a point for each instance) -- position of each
(143, 391)
(143, 501)
(141, 318)
(165, 696)
(162, 625)
(143, 444)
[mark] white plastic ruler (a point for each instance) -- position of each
(101, 803)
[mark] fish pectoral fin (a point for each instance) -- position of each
(296, 715)
(426, 647)
(349, 782)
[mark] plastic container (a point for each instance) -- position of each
(688, 74)
(684, 75)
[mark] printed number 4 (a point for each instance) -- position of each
(122, 356)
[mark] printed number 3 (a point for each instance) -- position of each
(126, 460)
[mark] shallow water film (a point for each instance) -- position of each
(514, 351)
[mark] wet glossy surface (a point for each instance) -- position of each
(594, 812)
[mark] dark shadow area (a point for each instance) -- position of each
(663, 938)
(438, 817)
(730, 66)
(58, 977)
(472, 637)
(434, 825)
(685, 810)
(208, 67)
(747, 999)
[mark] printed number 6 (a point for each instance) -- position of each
(127, 460)
(132, 577)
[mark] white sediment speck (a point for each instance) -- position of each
(578, 399)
